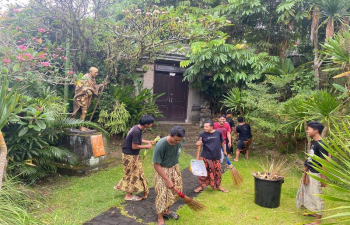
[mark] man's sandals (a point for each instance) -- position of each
(198, 189)
(134, 198)
(171, 215)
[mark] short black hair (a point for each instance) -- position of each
(316, 126)
(240, 119)
(177, 131)
(228, 112)
(210, 123)
(146, 119)
(222, 116)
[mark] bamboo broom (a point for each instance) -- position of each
(192, 204)
(237, 177)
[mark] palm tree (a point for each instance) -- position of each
(337, 51)
(329, 13)
(9, 105)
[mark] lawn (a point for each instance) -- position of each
(75, 200)
(238, 207)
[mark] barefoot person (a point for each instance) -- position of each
(134, 180)
(310, 187)
(245, 138)
(212, 143)
(168, 175)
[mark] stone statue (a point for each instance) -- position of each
(84, 93)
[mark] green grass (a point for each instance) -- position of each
(238, 207)
(75, 200)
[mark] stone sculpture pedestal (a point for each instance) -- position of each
(90, 148)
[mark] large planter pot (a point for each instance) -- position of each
(268, 192)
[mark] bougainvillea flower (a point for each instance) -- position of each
(29, 56)
(16, 10)
(42, 56)
(70, 72)
(22, 47)
(18, 28)
(63, 57)
(6, 60)
(54, 55)
(41, 30)
(45, 64)
(20, 57)
(59, 49)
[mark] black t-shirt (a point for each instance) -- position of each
(134, 136)
(316, 149)
(211, 144)
(231, 122)
(244, 132)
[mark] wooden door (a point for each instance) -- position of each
(173, 104)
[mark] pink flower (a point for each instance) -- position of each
(42, 56)
(20, 57)
(19, 41)
(45, 64)
(16, 10)
(44, 49)
(54, 55)
(22, 39)
(17, 79)
(297, 42)
(41, 30)
(38, 108)
(70, 72)
(9, 89)
(63, 57)
(18, 28)
(59, 49)
(22, 47)
(29, 56)
(6, 60)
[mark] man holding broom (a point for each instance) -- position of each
(134, 179)
(167, 173)
(213, 142)
(310, 188)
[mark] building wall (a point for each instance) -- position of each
(193, 98)
(148, 77)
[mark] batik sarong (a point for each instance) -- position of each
(306, 195)
(243, 146)
(214, 174)
(134, 179)
(167, 197)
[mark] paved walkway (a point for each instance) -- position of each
(144, 209)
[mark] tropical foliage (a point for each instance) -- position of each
(336, 169)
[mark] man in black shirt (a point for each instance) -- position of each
(213, 142)
(309, 187)
(230, 121)
(134, 179)
(244, 134)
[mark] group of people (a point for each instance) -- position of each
(216, 141)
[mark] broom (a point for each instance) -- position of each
(237, 177)
(192, 204)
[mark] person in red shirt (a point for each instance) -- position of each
(225, 130)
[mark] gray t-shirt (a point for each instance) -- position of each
(165, 154)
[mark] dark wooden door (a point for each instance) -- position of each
(173, 104)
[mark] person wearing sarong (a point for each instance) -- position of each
(134, 179)
(310, 187)
(230, 121)
(244, 134)
(213, 142)
(167, 173)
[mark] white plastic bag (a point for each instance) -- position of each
(197, 167)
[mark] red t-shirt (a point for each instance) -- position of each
(224, 129)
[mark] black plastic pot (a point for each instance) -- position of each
(268, 192)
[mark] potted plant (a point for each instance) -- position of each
(268, 184)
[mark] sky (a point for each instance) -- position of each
(3, 3)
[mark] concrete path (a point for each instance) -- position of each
(145, 209)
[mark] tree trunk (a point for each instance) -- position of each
(3, 158)
(324, 132)
(307, 138)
